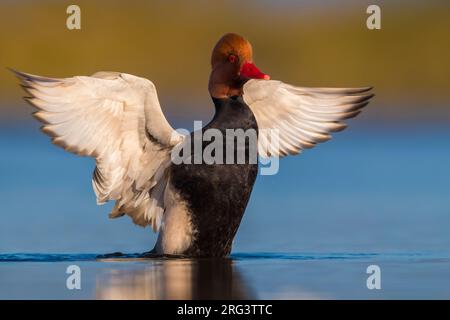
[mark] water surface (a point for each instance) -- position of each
(373, 195)
(242, 276)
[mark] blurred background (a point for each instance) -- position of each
(381, 186)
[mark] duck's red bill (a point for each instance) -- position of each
(249, 70)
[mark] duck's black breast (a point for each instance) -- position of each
(217, 194)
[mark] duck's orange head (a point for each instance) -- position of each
(232, 65)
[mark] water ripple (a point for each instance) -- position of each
(46, 257)
(301, 256)
(61, 257)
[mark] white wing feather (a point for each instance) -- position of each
(116, 119)
(291, 119)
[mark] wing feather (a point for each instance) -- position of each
(116, 119)
(291, 119)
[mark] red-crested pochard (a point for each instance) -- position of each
(197, 208)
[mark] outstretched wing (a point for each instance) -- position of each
(291, 119)
(116, 119)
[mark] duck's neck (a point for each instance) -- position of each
(221, 104)
(225, 83)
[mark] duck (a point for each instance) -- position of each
(196, 208)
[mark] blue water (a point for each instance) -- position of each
(375, 194)
(241, 276)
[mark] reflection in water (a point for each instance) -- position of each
(175, 279)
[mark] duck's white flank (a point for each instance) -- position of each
(177, 232)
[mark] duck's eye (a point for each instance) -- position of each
(232, 58)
